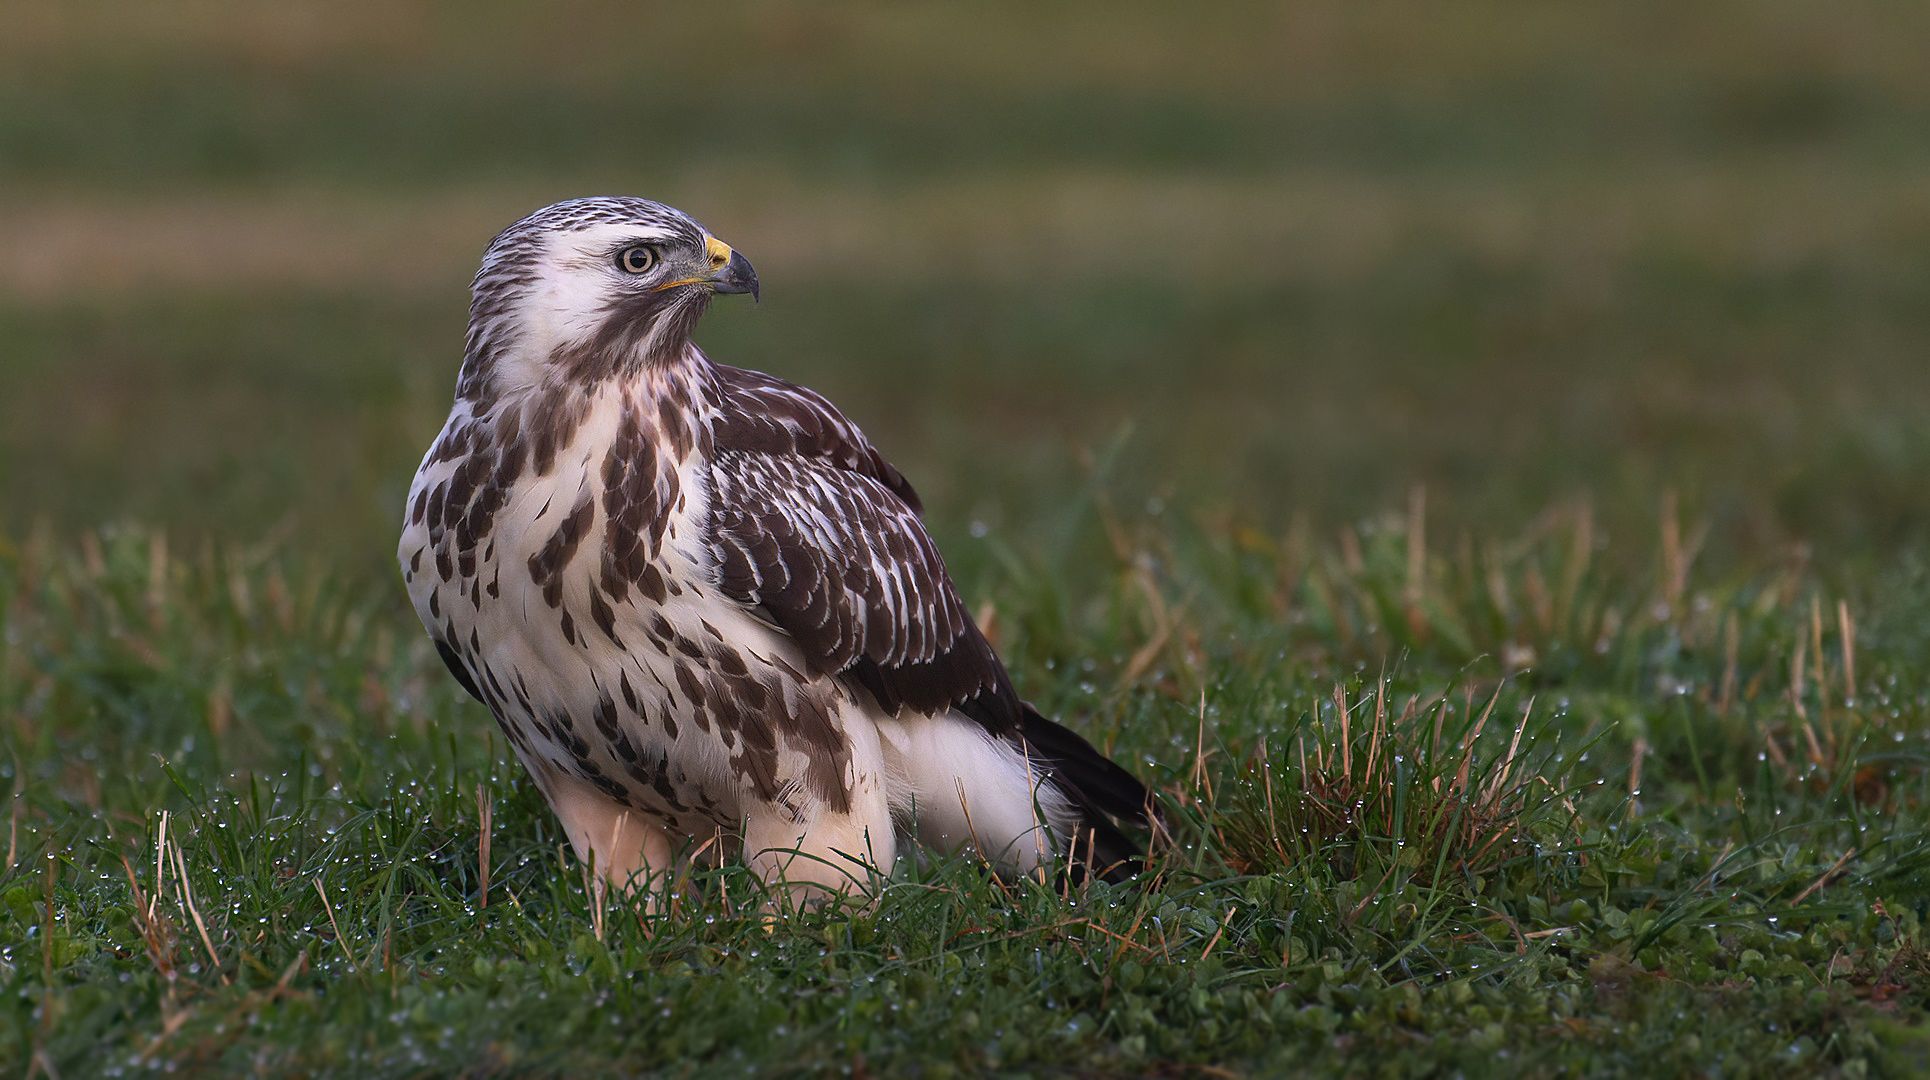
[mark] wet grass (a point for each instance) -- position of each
(1581, 822)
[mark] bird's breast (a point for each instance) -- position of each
(584, 608)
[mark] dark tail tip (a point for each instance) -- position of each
(1100, 789)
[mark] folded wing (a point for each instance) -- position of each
(814, 530)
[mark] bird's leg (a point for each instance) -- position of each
(817, 854)
(818, 859)
(628, 850)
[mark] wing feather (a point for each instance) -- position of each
(811, 525)
(814, 530)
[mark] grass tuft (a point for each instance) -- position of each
(1386, 797)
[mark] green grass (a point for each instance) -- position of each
(1474, 885)
(1469, 461)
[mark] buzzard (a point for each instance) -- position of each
(701, 605)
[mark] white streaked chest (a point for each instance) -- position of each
(586, 611)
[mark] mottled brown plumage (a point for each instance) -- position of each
(699, 603)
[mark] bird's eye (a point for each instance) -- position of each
(637, 259)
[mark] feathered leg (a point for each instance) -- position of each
(814, 852)
(628, 850)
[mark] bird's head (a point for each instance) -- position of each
(592, 288)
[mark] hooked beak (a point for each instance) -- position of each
(729, 271)
(733, 273)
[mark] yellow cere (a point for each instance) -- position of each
(719, 254)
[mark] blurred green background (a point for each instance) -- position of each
(1262, 260)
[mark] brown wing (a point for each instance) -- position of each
(766, 415)
(813, 527)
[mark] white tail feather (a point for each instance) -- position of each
(960, 787)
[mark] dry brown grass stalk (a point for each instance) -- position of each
(1379, 796)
